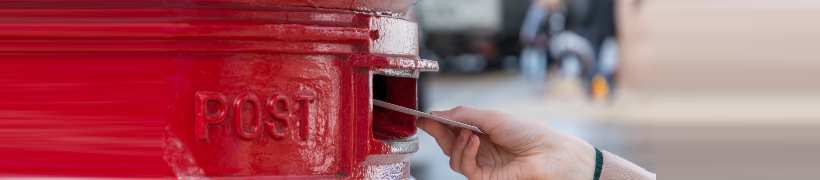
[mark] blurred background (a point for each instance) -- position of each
(689, 89)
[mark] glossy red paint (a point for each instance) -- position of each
(205, 88)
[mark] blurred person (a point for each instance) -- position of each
(577, 36)
(533, 37)
(515, 149)
(589, 37)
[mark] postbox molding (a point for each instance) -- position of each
(140, 74)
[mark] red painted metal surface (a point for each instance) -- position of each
(205, 88)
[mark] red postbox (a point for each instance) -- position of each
(207, 88)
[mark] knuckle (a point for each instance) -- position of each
(460, 109)
(459, 112)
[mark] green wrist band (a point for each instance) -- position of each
(599, 163)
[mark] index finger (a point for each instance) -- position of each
(444, 135)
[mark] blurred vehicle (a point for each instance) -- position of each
(471, 36)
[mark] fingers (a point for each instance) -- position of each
(487, 121)
(443, 135)
(458, 149)
(468, 165)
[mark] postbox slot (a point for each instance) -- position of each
(387, 124)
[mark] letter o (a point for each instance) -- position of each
(257, 115)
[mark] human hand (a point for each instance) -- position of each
(511, 148)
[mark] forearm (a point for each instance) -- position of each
(617, 168)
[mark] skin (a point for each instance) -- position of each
(516, 149)
(551, 5)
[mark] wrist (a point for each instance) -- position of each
(583, 161)
(571, 158)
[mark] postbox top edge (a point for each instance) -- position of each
(381, 7)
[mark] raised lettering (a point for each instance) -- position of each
(304, 98)
(279, 106)
(256, 120)
(205, 115)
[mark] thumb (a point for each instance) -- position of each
(487, 121)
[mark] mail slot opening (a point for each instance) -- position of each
(387, 124)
